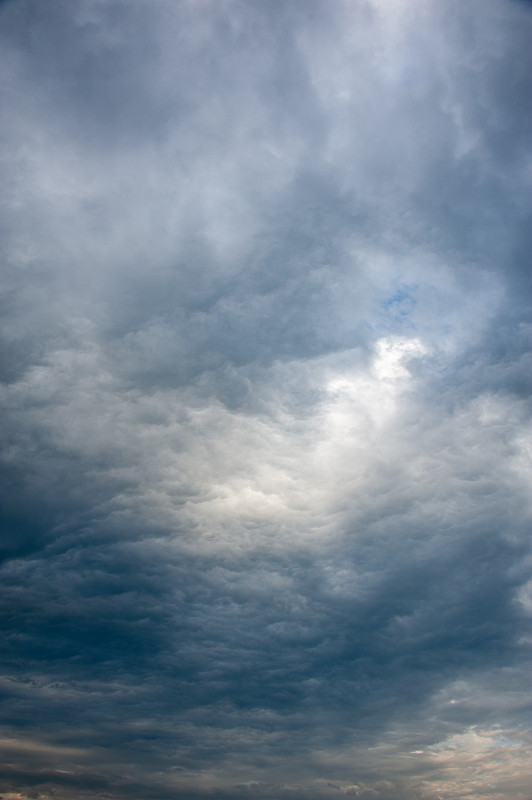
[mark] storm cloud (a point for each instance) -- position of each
(265, 385)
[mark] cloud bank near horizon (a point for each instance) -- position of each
(266, 393)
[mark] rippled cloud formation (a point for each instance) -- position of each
(266, 372)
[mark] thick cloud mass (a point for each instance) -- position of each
(266, 399)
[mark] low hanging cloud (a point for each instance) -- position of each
(265, 386)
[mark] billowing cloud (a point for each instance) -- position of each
(266, 396)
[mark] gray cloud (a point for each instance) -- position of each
(265, 453)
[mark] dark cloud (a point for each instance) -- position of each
(265, 446)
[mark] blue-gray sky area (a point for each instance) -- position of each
(265, 384)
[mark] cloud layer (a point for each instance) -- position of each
(266, 394)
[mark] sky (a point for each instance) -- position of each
(266, 410)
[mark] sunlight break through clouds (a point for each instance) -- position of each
(265, 382)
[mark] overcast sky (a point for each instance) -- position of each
(266, 482)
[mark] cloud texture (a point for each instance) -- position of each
(266, 397)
